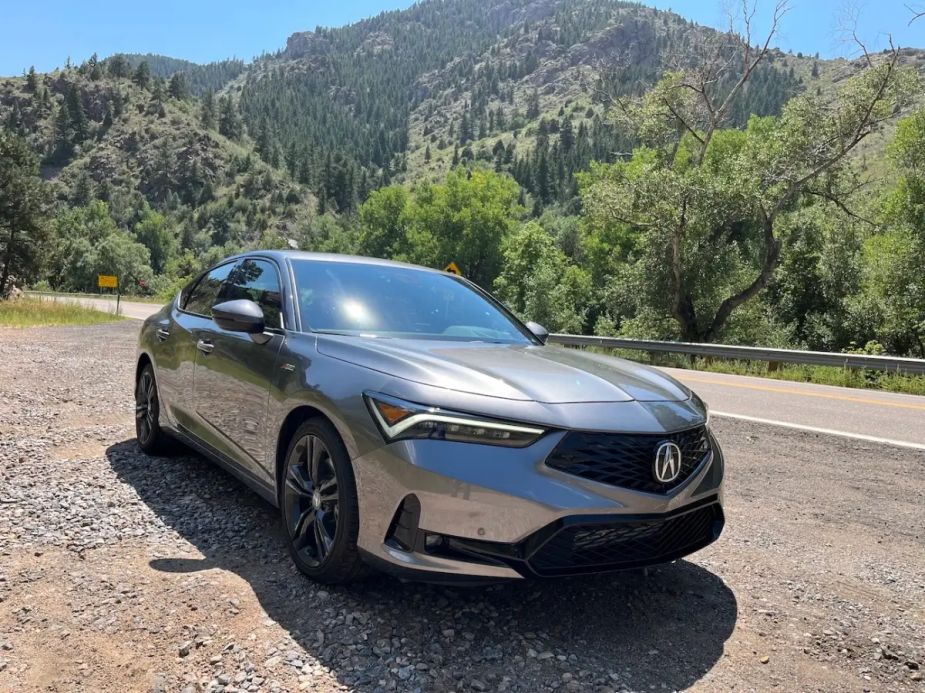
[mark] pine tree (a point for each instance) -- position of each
(118, 66)
(533, 106)
(207, 110)
(157, 91)
(566, 136)
(95, 70)
(178, 88)
(82, 193)
(305, 171)
(78, 116)
(63, 135)
(142, 76)
(465, 128)
(262, 141)
(32, 81)
(427, 154)
(229, 121)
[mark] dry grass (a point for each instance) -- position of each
(35, 312)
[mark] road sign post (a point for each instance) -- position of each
(110, 281)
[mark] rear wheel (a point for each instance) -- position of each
(148, 431)
(319, 505)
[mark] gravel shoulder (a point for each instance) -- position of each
(120, 571)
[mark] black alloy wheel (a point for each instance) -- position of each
(311, 499)
(319, 506)
(148, 431)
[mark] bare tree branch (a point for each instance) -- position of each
(751, 61)
(916, 13)
(835, 200)
(682, 121)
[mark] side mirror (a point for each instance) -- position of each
(540, 332)
(239, 316)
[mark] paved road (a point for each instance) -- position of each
(860, 414)
(863, 414)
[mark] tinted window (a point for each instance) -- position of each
(204, 295)
(389, 301)
(258, 281)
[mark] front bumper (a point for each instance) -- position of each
(443, 511)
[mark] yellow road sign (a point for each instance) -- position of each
(453, 268)
(108, 281)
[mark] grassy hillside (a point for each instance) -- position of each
(108, 138)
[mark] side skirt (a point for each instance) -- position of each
(264, 490)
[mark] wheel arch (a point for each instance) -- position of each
(143, 360)
(290, 424)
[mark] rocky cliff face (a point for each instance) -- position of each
(306, 44)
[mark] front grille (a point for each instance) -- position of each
(626, 459)
(595, 547)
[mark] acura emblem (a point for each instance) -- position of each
(667, 465)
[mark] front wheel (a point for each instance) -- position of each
(148, 431)
(318, 500)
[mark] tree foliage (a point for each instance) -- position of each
(463, 220)
(23, 201)
(702, 205)
(539, 283)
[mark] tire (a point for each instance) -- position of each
(151, 438)
(318, 503)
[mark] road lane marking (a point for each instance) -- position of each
(792, 391)
(815, 429)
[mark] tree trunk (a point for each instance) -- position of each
(682, 306)
(771, 260)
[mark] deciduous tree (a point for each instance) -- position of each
(702, 202)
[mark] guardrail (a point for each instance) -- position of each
(896, 364)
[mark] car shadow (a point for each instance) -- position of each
(625, 630)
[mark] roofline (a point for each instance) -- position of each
(328, 257)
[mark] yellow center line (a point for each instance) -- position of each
(803, 393)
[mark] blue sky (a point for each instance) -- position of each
(45, 33)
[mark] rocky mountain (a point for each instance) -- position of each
(520, 86)
(126, 139)
(409, 93)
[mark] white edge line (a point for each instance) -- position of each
(815, 429)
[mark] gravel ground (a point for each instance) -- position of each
(123, 572)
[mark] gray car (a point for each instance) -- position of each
(402, 418)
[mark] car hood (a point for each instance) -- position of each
(550, 374)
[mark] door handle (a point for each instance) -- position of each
(162, 334)
(204, 346)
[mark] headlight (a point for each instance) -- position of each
(400, 420)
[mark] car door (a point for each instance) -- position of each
(234, 370)
(190, 316)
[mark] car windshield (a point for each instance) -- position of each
(355, 298)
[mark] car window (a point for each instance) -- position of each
(257, 281)
(393, 301)
(204, 295)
